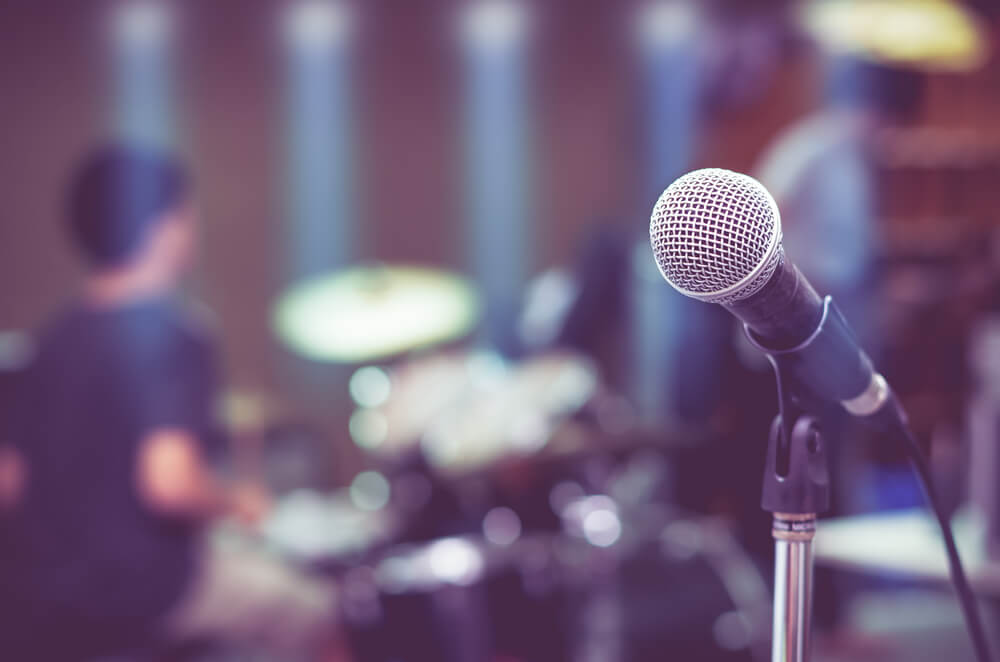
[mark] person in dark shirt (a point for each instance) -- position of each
(105, 480)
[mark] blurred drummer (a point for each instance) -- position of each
(106, 479)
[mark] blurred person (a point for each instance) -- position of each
(822, 173)
(106, 478)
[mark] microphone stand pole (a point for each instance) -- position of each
(793, 568)
(796, 478)
(796, 488)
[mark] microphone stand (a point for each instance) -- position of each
(796, 479)
(796, 488)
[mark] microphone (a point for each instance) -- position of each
(716, 237)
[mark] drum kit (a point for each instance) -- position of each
(505, 518)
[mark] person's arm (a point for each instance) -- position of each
(175, 480)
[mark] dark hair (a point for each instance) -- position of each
(895, 92)
(117, 195)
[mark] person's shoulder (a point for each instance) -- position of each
(797, 150)
(160, 329)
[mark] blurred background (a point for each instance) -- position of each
(447, 352)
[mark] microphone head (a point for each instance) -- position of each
(716, 235)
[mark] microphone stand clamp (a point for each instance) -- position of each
(796, 488)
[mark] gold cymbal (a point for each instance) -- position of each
(929, 35)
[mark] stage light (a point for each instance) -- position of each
(601, 527)
(318, 24)
(455, 561)
(370, 386)
(141, 35)
(493, 34)
(370, 491)
(142, 23)
(319, 109)
(667, 43)
(502, 526)
(595, 518)
(666, 36)
(369, 428)
(494, 23)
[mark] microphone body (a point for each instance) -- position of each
(784, 312)
(809, 340)
(716, 236)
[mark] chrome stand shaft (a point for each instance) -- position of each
(793, 579)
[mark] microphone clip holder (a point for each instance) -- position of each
(796, 488)
(796, 477)
(823, 371)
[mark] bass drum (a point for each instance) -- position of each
(687, 594)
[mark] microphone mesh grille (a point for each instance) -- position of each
(716, 235)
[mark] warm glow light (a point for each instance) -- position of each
(370, 491)
(595, 518)
(368, 428)
(16, 350)
(370, 386)
(664, 23)
(502, 526)
(929, 34)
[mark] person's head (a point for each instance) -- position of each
(890, 94)
(130, 207)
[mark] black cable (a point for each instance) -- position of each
(966, 598)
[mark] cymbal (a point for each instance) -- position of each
(928, 35)
(369, 313)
